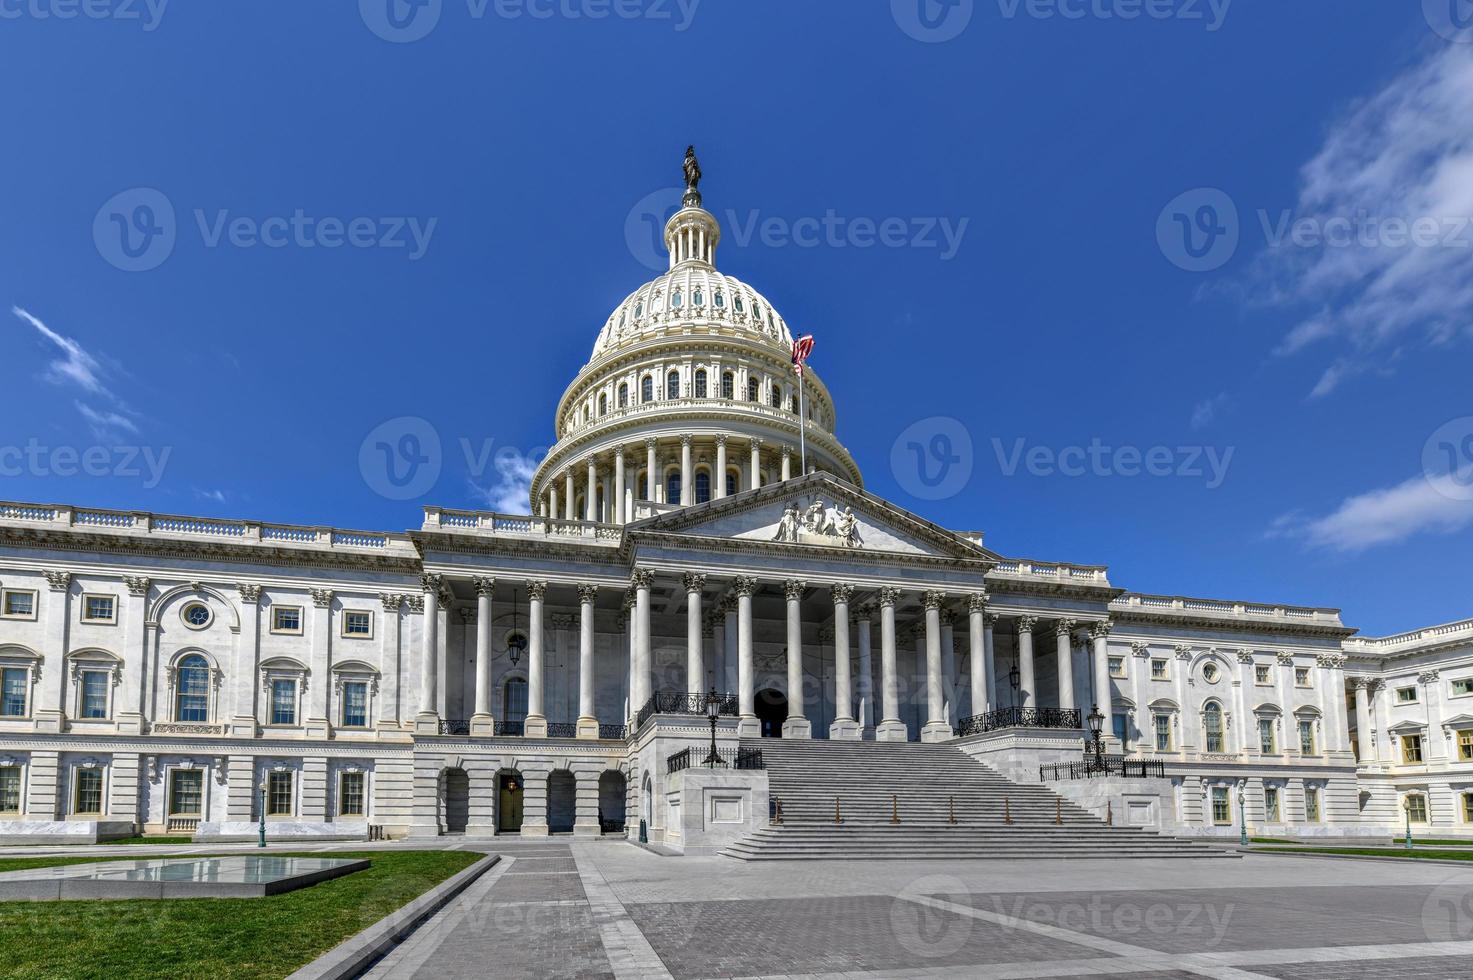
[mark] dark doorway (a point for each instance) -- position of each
(509, 803)
(562, 793)
(613, 799)
(772, 710)
(457, 801)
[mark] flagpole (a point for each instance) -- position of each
(802, 427)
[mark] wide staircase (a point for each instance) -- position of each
(908, 800)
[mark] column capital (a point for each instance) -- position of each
(721, 439)
(248, 592)
(977, 602)
(990, 620)
(1100, 629)
(888, 596)
(786, 450)
(726, 604)
(1245, 655)
(1183, 651)
(641, 578)
(587, 594)
(1064, 627)
(756, 442)
(794, 588)
(933, 600)
(467, 614)
(686, 438)
(321, 598)
(863, 611)
(744, 586)
(391, 601)
(618, 452)
(416, 603)
(628, 603)
(1026, 623)
(536, 591)
(137, 584)
(563, 621)
(650, 442)
(59, 581)
(948, 616)
(431, 582)
(484, 585)
(693, 582)
(842, 592)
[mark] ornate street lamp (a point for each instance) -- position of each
(1015, 678)
(1406, 806)
(1096, 726)
(713, 710)
(516, 641)
(1242, 819)
(261, 827)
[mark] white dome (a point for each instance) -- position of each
(693, 295)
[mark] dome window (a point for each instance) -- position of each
(776, 398)
(752, 387)
(621, 321)
(701, 383)
(647, 389)
(639, 309)
(719, 300)
(624, 395)
(672, 384)
(676, 300)
(672, 487)
(698, 298)
(740, 306)
(703, 487)
(726, 384)
(603, 404)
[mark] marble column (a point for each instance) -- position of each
(754, 477)
(687, 487)
(747, 725)
(977, 647)
(1064, 655)
(719, 490)
(590, 502)
(427, 722)
(1099, 634)
(587, 716)
(482, 722)
(247, 663)
(629, 622)
(729, 665)
(843, 726)
(1363, 720)
(618, 493)
(536, 724)
(989, 663)
(866, 717)
(796, 725)
(950, 682)
(1025, 661)
(643, 656)
(552, 501)
(787, 464)
(695, 669)
(935, 729)
(569, 504)
(651, 464)
(891, 728)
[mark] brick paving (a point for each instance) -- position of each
(1415, 968)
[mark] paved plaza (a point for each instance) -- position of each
(556, 908)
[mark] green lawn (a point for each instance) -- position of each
(223, 939)
(1426, 854)
(153, 840)
(1272, 840)
(1419, 841)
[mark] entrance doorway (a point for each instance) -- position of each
(562, 794)
(771, 707)
(457, 801)
(509, 803)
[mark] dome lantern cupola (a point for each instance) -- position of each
(692, 233)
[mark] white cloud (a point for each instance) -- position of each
(77, 367)
(1419, 505)
(215, 496)
(1404, 154)
(1206, 412)
(512, 491)
(105, 423)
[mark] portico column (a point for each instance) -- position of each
(720, 489)
(552, 502)
(1099, 634)
(989, 660)
(569, 504)
(247, 661)
(643, 579)
(796, 725)
(729, 676)
(651, 478)
(590, 502)
(536, 723)
(747, 726)
(1064, 651)
(977, 646)
(695, 669)
(787, 464)
(866, 717)
(936, 729)
(481, 722)
(844, 726)
(891, 728)
(754, 478)
(427, 722)
(587, 719)
(687, 491)
(1363, 720)
(629, 622)
(618, 485)
(1025, 660)
(950, 682)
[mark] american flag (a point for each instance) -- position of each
(802, 349)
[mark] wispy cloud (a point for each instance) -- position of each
(1204, 413)
(1420, 505)
(1404, 155)
(105, 423)
(511, 494)
(78, 368)
(214, 496)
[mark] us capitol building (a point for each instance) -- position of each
(679, 575)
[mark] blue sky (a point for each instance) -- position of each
(1170, 237)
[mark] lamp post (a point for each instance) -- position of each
(261, 827)
(713, 709)
(1015, 679)
(1406, 808)
(1096, 726)
(1242, 819)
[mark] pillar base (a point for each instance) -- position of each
(749, 726)
(590, 829)
(242, 727)
(892, 730)
(845, 729)
(587, 728)
(427, 723)
(534, 829)
(535, 727)
(797, 728)
(936, 731)
(483, 726)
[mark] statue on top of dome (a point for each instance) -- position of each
(692, 179)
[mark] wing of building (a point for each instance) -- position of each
(693, 637)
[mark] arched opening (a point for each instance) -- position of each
(672, 385)
(647, 389)
(733, 482)
(613, 797)
(727, 383)
(701, 383)
(603, 404)
(457, 801)
(192, 700)
(509, 802)
(771, 707)
(672, 487)
(647, 804)
(562, 793)
(753, 387)
(623, 395)
(1212, 726)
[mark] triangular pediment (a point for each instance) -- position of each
(816, 511)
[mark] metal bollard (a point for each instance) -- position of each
(1007, 815)
(894, 808)
(837, 817)
(1058, 810)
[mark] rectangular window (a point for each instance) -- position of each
(279, 794)
(726, 390)
(1301, 677)
(1158, 670)
(95, 684)
(1306, 737)
(89, 791)
(15, 604)
(1117, 666)
(350, 795)
(286, 619)
(1417, 808)
(1261, 674)
(358, 623)
(1266, 743)
(1121, 726)
(1271, 803)
(1163, 733)
(99, 609)
(1465, 746)
(1311, 804)
(1221, 814)
(10, 789)
(1463, 685)
(355, 705)
(14, 682)
(186, 792)
(1411, 748)
(1467, 799)
(283, 702)
(1406, 695)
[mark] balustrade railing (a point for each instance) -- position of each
(725, 758)
(1110, 765)
(1020, 718)
(455, 726)
(562, 729)
(619, 732)
(681, 703)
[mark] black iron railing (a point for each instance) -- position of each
(613, 731)
(681, 703)
(1110, 765)
(455, 726)
(1020, 718)
(562, 729)
(740, 759)
(514, 729)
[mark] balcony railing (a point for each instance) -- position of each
(992, 721)
(562, 729)
(698, 758)
(1109, 765)
(681, 703)
(619, 732)
(455, 726)
(518, 729)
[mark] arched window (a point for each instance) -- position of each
(720, 300)
(621, 320)
(585, 413)
(1212, 726)
(624, 394)
(776, 397)
(192, 689)
(740, 306)
(672, 384)
(639, 309)
(603, 404)
(676, 300)
(698, 298)
(726, 384)
(701, 383)
(793, 404)
(732, 484)
(752, 389)
(672, 487)
(514, 707)
(703, 487)
(647, 389)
